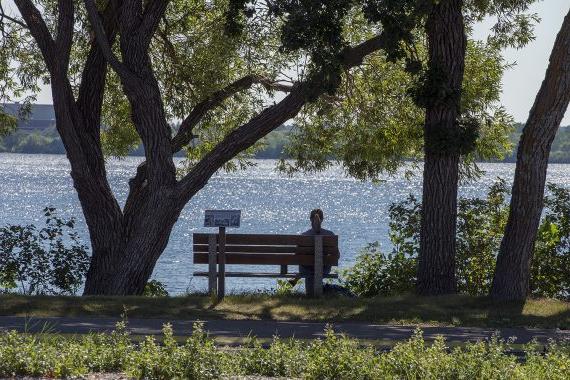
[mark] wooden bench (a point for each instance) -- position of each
(283, 250)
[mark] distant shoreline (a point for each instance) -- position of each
(506, 161)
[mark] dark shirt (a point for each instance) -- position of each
(312, 232)
(309, 269)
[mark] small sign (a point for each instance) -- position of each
(222, 218)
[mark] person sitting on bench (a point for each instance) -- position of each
(307, 271)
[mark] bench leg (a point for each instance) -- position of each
(318, 279)
(212, 263)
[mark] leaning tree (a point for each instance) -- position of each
(512, 274)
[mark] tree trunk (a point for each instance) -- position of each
(447, 44)
(512, 273)
(123, 262)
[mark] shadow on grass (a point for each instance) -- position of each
(457, 310)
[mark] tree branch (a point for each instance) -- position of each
(131, 16)
(39, 30)
(103, 40)
(3, 16)
(92, 86)
(64, 37)
(260, 125)
(184, 135)
(151, 19)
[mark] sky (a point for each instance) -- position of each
(521, 83)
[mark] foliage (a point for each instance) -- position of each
(332, 357)
(284, 287)
(50, 260)
(560, 151)
(550, 270)
(377, 274)
(196, 359)
(194, 54)
(480, 227)
(46, 141)
(280, 359)
(155, 288)
(372, 126)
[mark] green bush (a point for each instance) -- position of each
(283, 358)
(155, 288)
(550, 270)
(196, 359)
(480, 227)
(50, 260)
(332, 357)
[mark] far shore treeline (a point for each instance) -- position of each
(49, 142)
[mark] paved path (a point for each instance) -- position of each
(267, 329)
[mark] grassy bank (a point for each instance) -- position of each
(455, 310)
(334, 357)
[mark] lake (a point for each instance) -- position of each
(270, 202)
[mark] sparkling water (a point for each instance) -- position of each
(270, 202)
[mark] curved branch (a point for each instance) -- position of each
(184, 135)
(260, 125)
(64, 37)
(39, 30)
(151, 18)
(103, 41)
(3, 16)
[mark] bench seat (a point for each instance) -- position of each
(262, 275)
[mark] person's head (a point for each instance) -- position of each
(316, 219)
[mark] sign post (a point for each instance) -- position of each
(222, 219)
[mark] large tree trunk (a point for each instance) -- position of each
(447, 44)
(512, 272)
(123, 262)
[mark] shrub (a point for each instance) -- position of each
(338, 357)
(550, 270)
(196, 359)
(480, 227)
(155, 288)
(377, 274)
(283, 358)
(333, 357)
(50, 260)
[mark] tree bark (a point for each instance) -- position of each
(447, 44)
(512, 273)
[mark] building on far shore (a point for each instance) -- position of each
(40, 118)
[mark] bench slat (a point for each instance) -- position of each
(232, 248)
(262, 275)
(267, 259)
(266, 239)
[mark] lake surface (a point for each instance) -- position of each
(270, 202)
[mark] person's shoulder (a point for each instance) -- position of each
(308, 232)
(326, 232)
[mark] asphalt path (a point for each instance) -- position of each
(268, 329)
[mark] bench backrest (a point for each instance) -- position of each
(269, 249)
